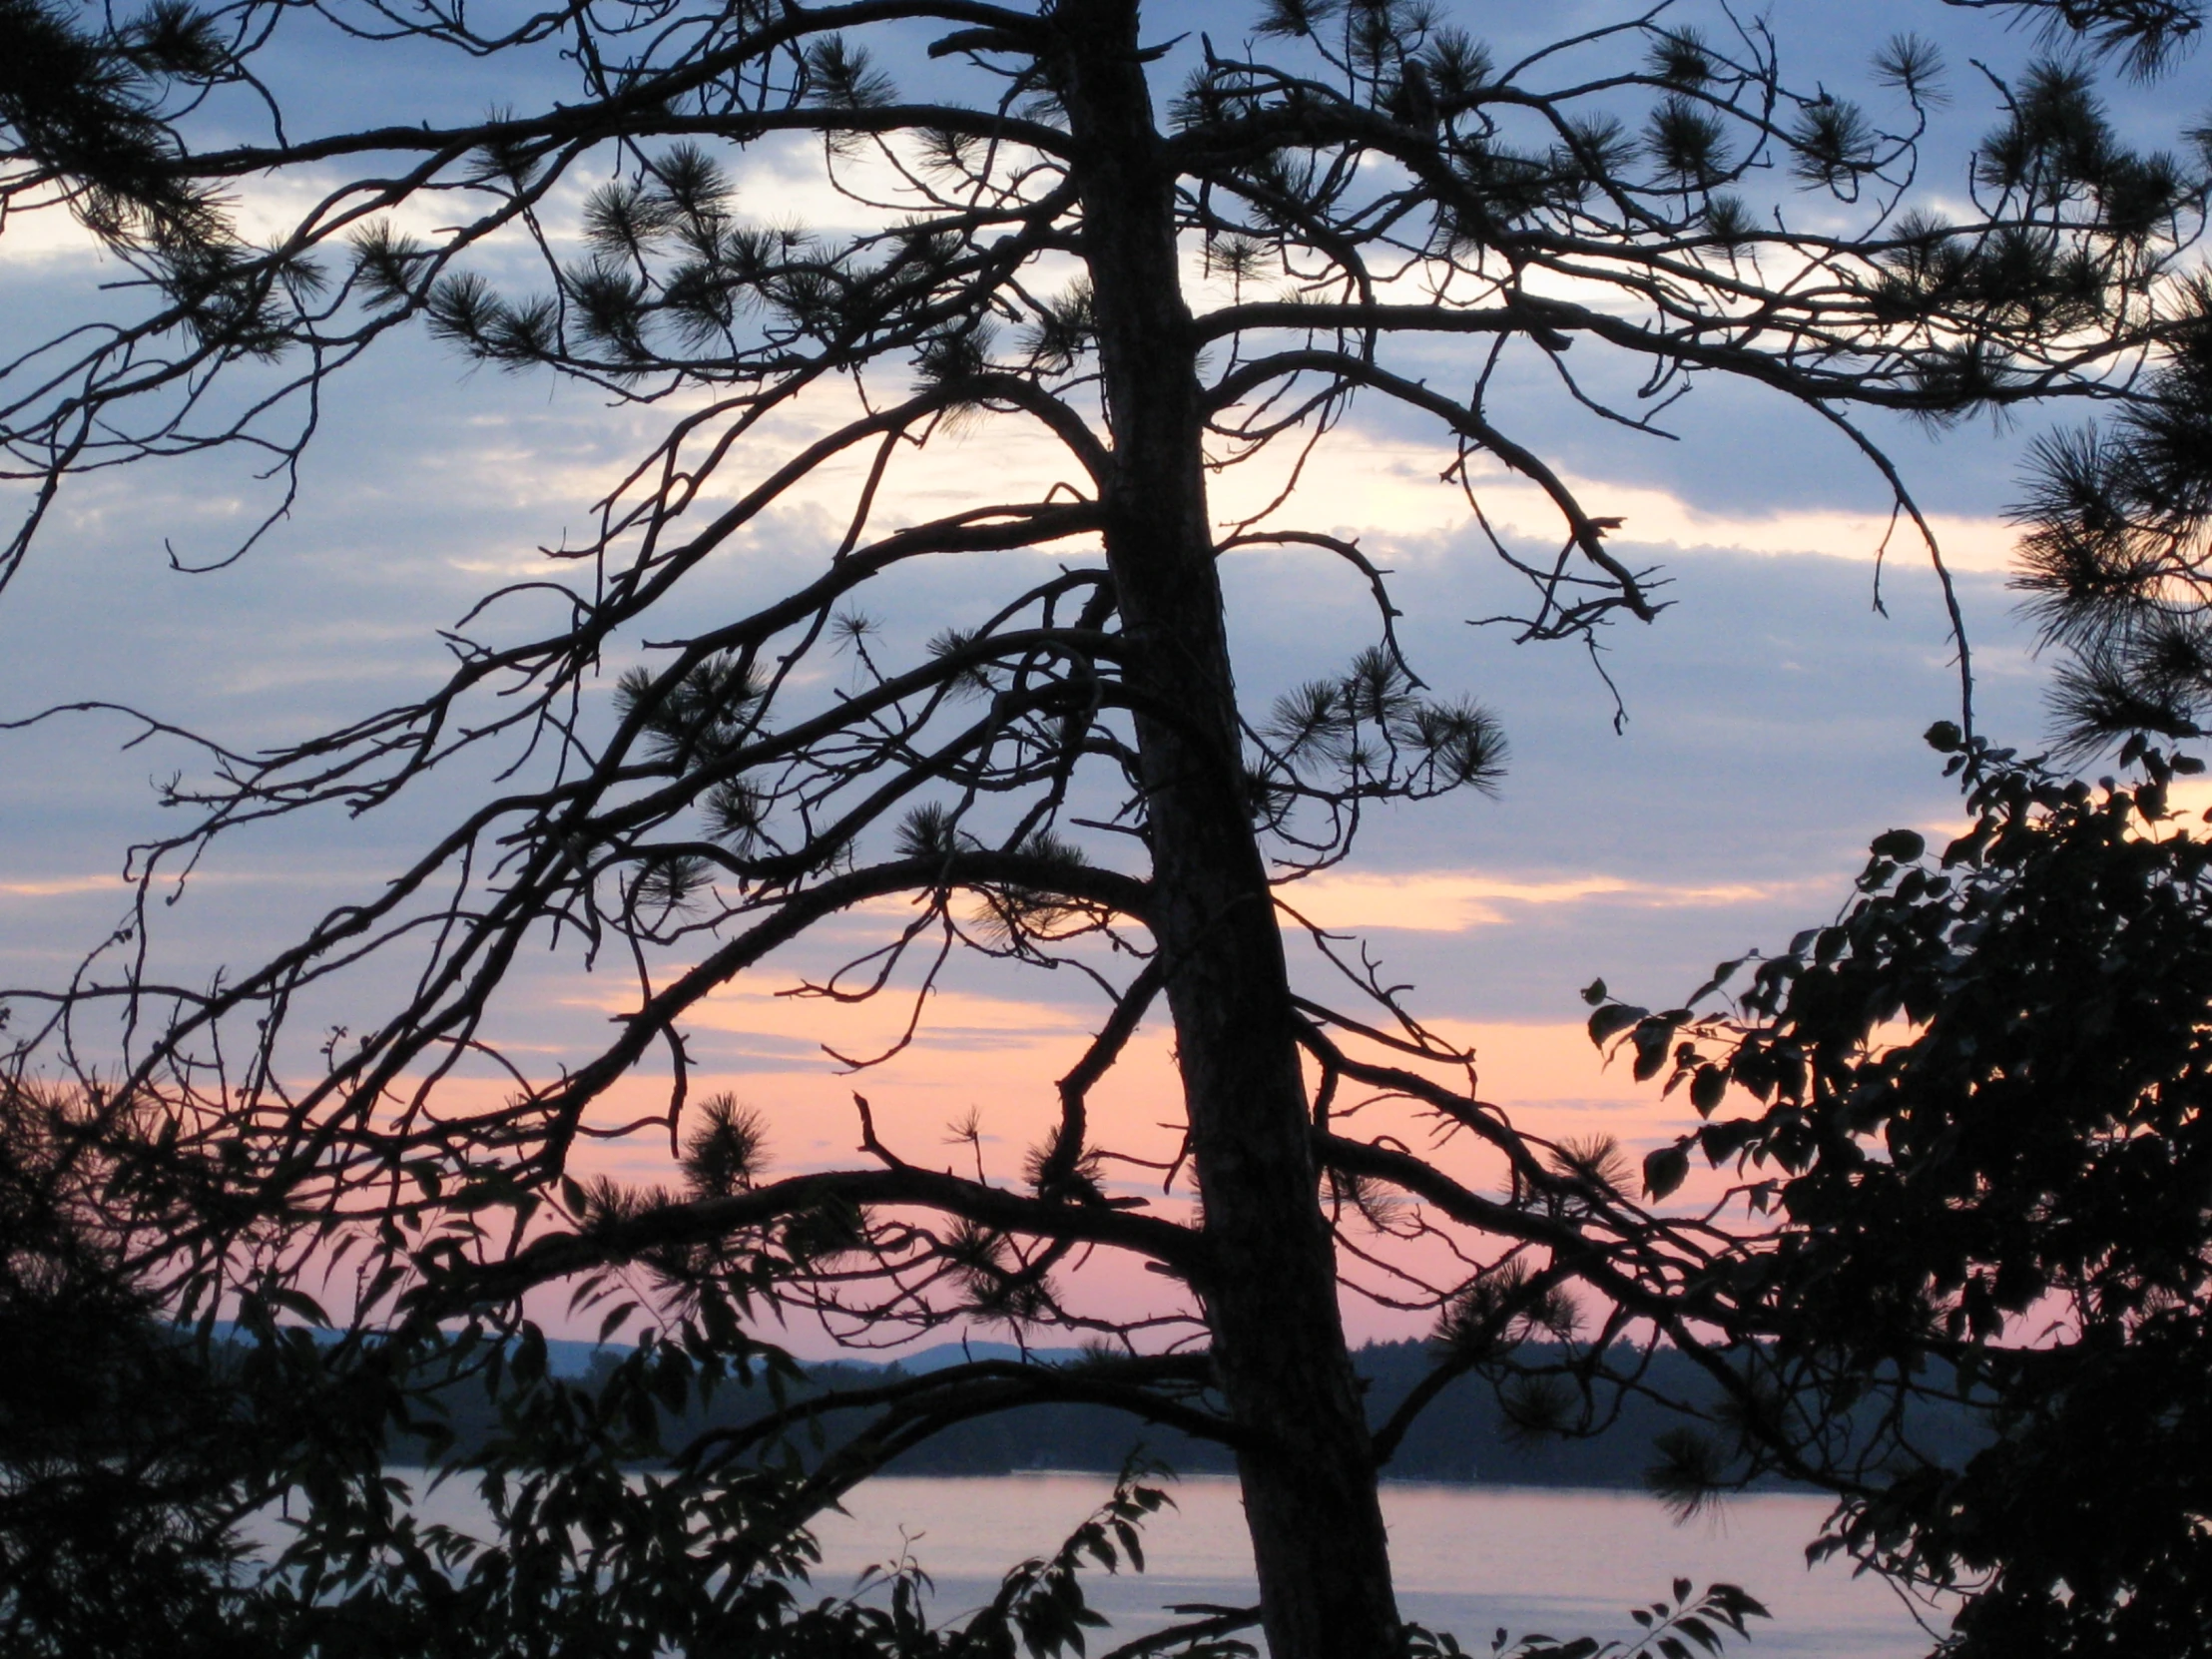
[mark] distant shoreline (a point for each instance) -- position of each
(1463, 1440)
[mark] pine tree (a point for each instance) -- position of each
(1070, 780)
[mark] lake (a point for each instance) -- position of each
(1469, 1558)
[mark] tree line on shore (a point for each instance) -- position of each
(1960, 1126)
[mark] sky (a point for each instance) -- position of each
(1771, 714)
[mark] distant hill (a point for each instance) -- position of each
(576, 1360)
(1462, 1438)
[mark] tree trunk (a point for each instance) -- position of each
(1271, 1293)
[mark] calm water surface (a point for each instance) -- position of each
(1469, 1560)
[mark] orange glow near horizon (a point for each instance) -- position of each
(999, 1060)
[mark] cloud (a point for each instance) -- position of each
(62, 887)
(759, 1010)
(1367, 480)
(1453, 901)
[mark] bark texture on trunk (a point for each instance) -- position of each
(1271, 1296)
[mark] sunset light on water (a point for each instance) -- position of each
(781, 775)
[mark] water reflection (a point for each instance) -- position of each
(1469, 1560)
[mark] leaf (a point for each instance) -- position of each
(1665, 1170)
(1722, 972)
(300, 1303)
(1653, 1039)
(672, 1382)
(1612, 1019)
(1699, 1632)
(1724, 1140)
(615, 1316)
(1902, 844)
(1736, 1602)
(528, 1364)
(1707, 1089)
